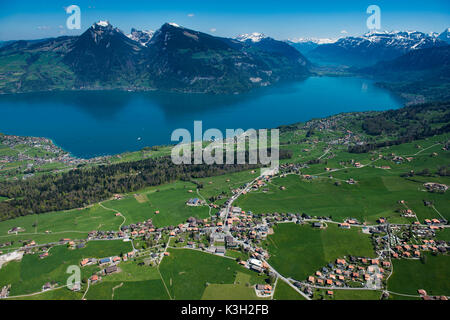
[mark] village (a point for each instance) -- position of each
(234, 229)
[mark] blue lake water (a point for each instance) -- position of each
(90, 124)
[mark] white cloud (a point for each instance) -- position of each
(344, 32)
(213, 29)
(190, 15)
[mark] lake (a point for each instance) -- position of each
(89, 124)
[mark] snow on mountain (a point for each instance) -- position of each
(402, 40)
(313, 40)
(373, 46)
(445, 35)
(254, 37)
(102, 23)
(141, 36)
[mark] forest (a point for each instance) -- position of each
(83, 186)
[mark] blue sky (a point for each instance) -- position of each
(281, 19)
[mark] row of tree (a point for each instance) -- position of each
(83, 186)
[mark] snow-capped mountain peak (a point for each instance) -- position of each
(374, 46)
(445, 35)
(313, 40)
(254, 37)
(402, 40)
(141, 36)
(102, 23)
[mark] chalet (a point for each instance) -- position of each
(260, 287)
(256, 268)
(341, 262)
(81, 245)
(220, 250)
(255, 262)
(76, 286)
(104, 261)
(111, 269)
(46, 286)
(422, 292)
(194, 202)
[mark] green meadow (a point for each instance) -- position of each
(223, 184)
(299, 251)
(283, 291)
(354, 295)
(170, 200)
(127, 290)
(411, 275)
(374, 196)
(229, 292)
(188, 273)
(72, 224)
(30, 274)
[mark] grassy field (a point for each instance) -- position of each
(58, 294)
(285, 292)
(229, 292)
(241, 289)
(236, 254)
(73, 224)
(29, 275)
(223, 184)
(372, 197)
(443, 234)
(298, 251)
(141, 290)
(170, 200)
(347, 295)
(411, 275)
(187, 273)
(108, 289)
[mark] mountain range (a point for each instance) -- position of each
(173, 58)
(374, 47)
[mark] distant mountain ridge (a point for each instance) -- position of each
(173, 58)
(418, 76)
(435, 60)
(373, 47)
(445, 35)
